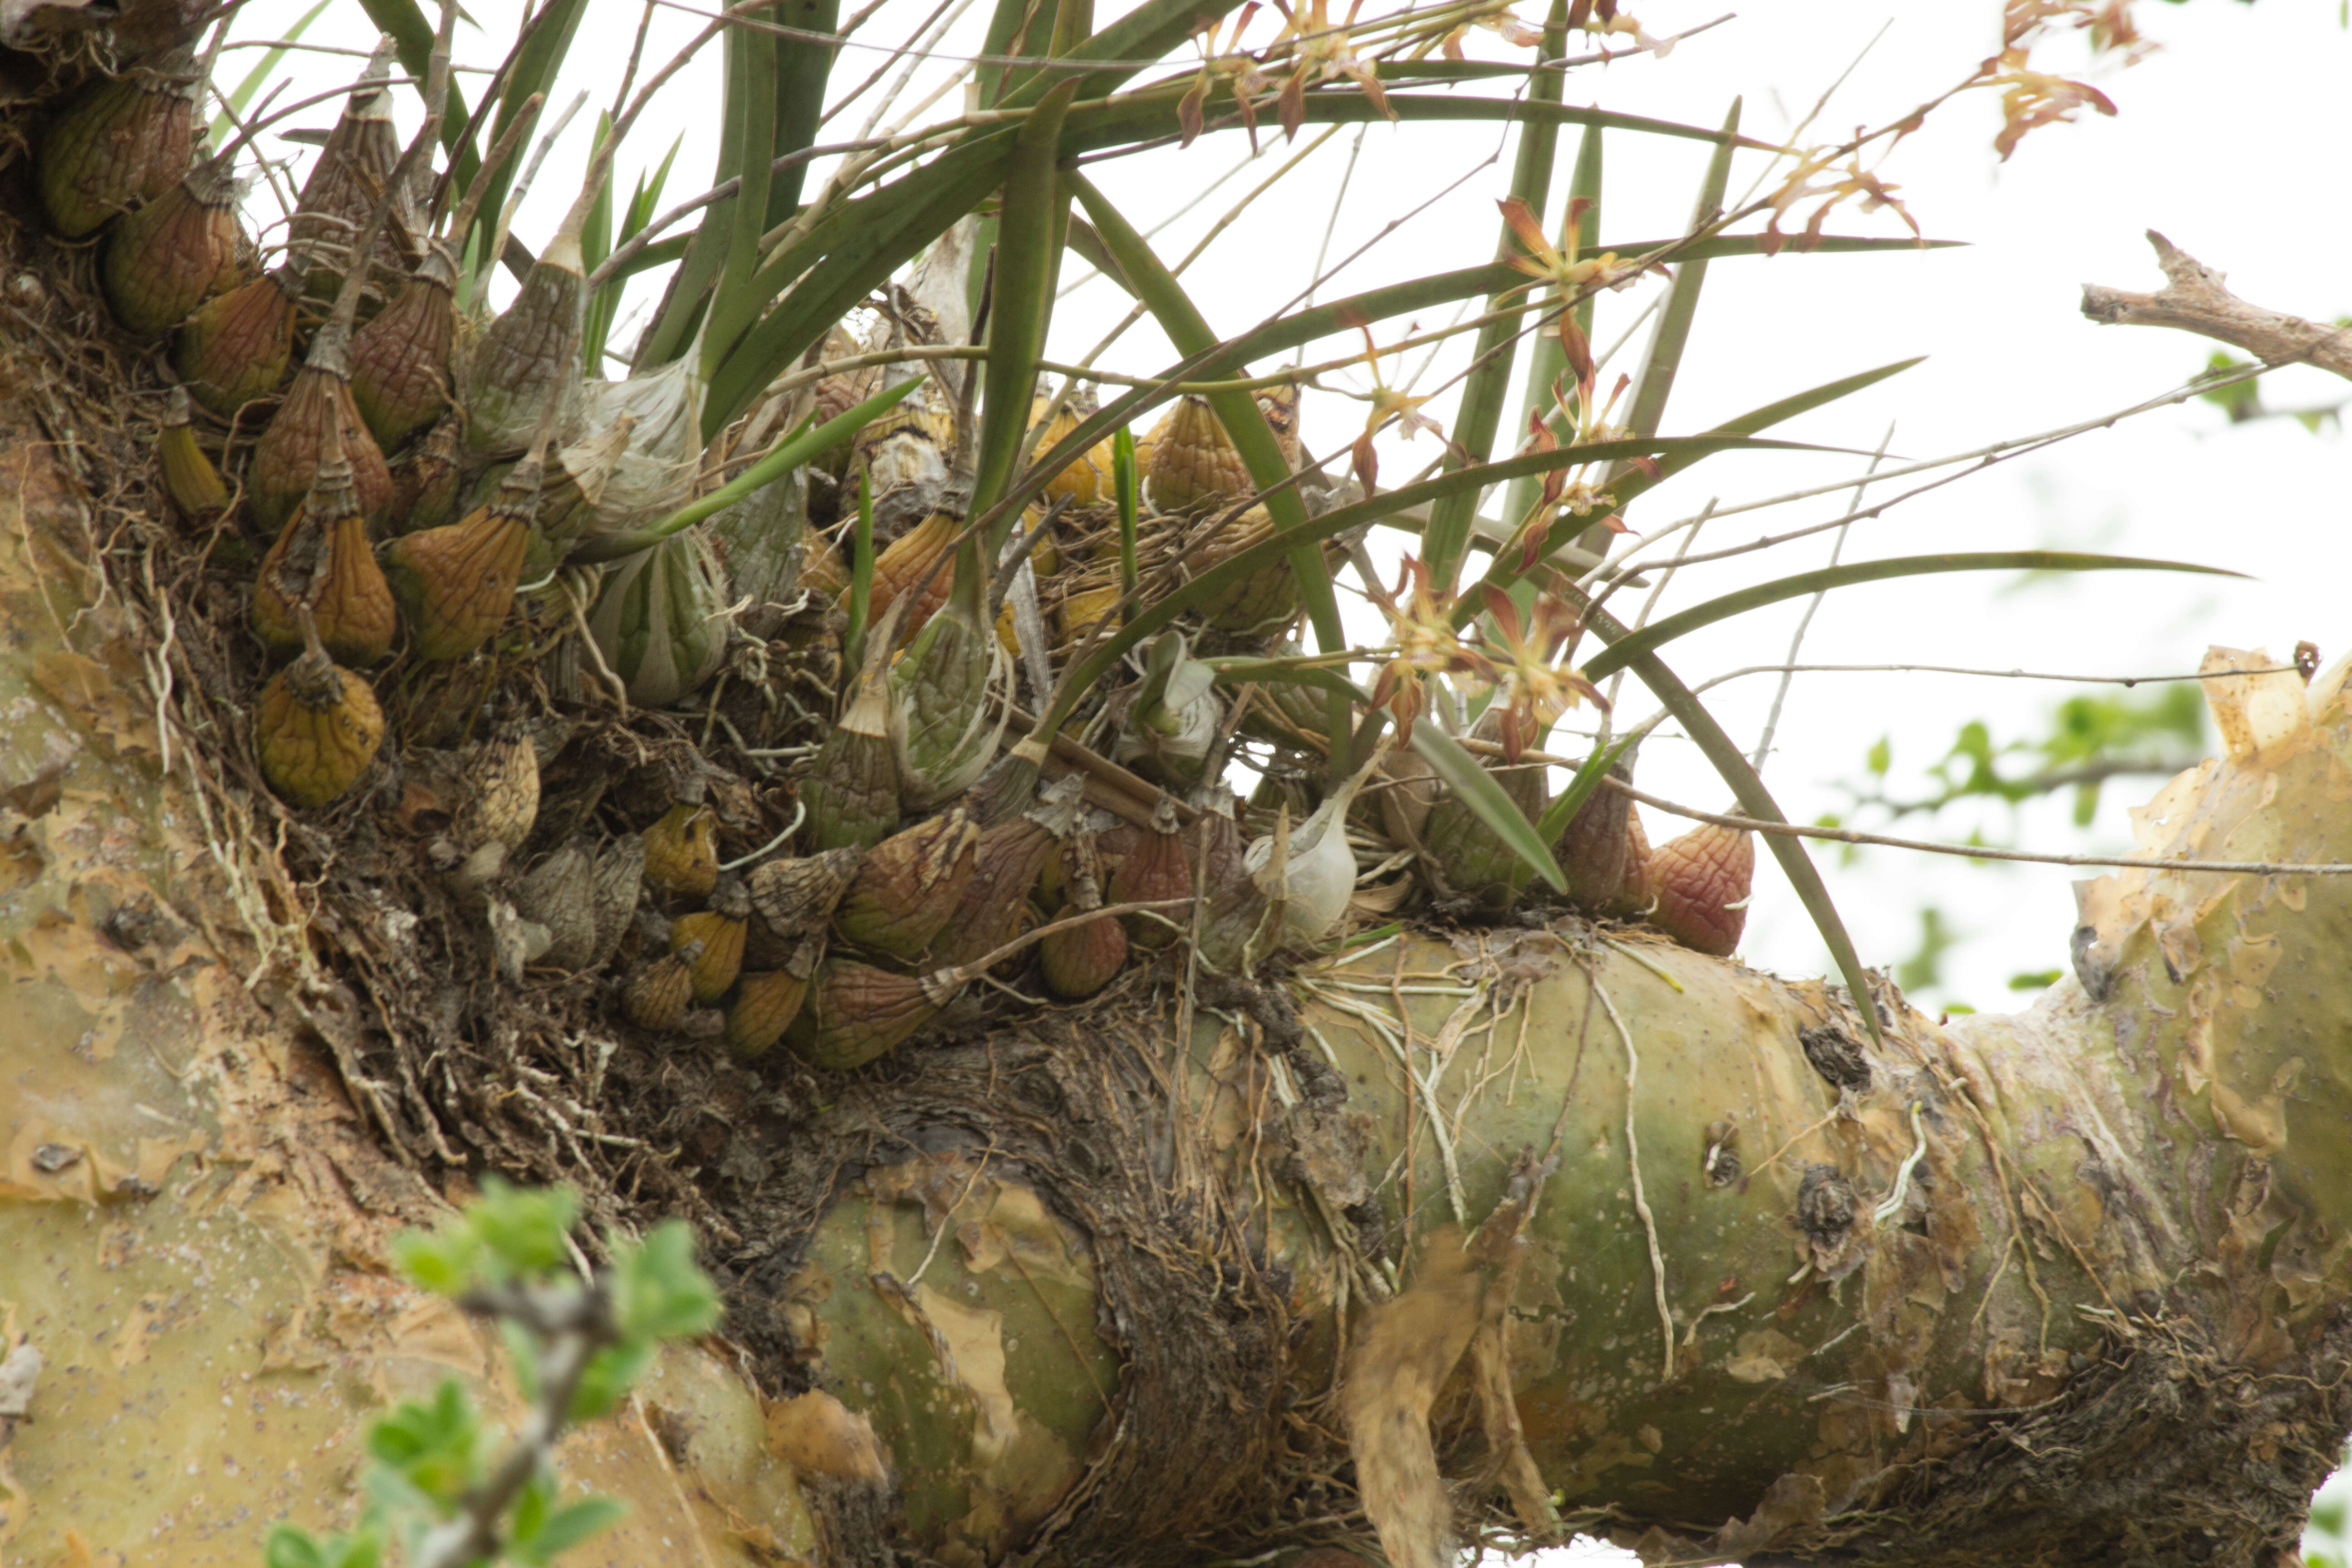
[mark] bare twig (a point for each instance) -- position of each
(1978, 851)
(2193, 300)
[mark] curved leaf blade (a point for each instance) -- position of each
(1476, 788)
(1620, 652)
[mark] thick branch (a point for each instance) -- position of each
(2194, 301)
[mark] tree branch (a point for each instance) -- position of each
(2194, 301)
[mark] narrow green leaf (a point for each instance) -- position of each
(1621, 652)
(1503, 570)
(682, 308)
(787, 456)
(843, 257)
(1123, 484)
(861, 578)
(1446, 538)
(753, 78)
(1564, 808)
(1755, 801)
(1244, 563)
(803, 68)
(1023, 303)
(1007, 23)
(1243, 671)
(604, 300)
(536, 67)
(1671, 336)
(413, 31)
(1547, 362)
(1243, 421)
(596, 244)
(252, 81)
(1475, 787)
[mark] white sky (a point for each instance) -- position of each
(2230, 140)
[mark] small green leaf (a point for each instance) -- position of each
(606, 1379)
(447, 1262)
(1881, 756)
(523, 1227)
(573, 1523)
(1476, 788)
(658, 1290)
(245, 90)
(1123, 480)
(290, 1548)
(362, 1549)
(1243, 670)
(2035, 980)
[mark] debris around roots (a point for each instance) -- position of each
(2163, 1450)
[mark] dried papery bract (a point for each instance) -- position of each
(619, 883)
(503, 790)
(322, 569)
(559, 893)
(796, 897)
(1234, 910)
(1701, 881)
(176, 252)
(316, 728)
(124, 140)
(457, 582)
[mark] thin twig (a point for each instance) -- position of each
(1796, 640)
(1978, 851)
